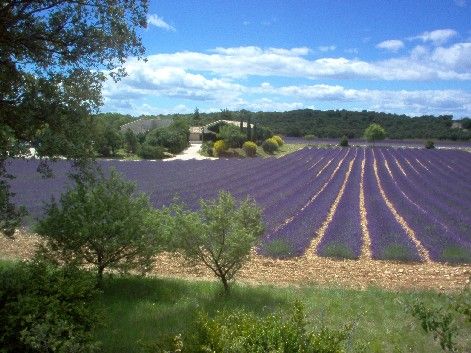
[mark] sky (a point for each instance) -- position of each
(401, 56)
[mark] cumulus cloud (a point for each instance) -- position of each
(393, 45)
(155, 20)
(437, 37)
(219, 79)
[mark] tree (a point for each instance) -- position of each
(54, 55)
(249, 128)
(100, 223)
(131, 141)
(220, 235)
(375, 132)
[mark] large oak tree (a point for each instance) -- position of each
(54, 57)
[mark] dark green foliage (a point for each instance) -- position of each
(270, 145)
(429, 145)
(53, 57)
(146, 151)
(343, 141)
(220, 235)
(456, 255)
(262, 133)
(278, 248)
(131, 142)
(339, 251)
(231, 136)
(243, 332)
(466, 123)
(396, 252)
(249, 128)
(101, 223)
(44, 308)
(174, 138)
(439, 322)
(445, 321)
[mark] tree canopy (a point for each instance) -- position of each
(375, 132)
(54, 58)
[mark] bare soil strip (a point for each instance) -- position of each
(302, 271)
(366, 246)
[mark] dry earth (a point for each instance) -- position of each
(356, 274)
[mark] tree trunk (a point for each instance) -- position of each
(225, 283)
(99, 277)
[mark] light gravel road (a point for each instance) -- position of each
(190, 153)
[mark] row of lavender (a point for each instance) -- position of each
(303, 203)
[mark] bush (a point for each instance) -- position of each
(220, 235)
(231, 135)
(44, 308)
(344, 141)
(207, 148)
(270, 145)
(172, 138)
(243, 332)
(147, 151)
(250, 148)
(310, 137)
(429, 144)
(278, 140)
(219, 148)
(100, 223)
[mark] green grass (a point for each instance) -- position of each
(147, 310)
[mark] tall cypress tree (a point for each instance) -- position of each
(249, 129)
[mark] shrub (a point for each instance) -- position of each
(101, 223)
(278, 140)
(44, 308)
(172, 138)
(147, 151)
(250, 148)
(231, 135)
(244, 332)
(207, 148)
(310, 137)
(343, 141)
(220, 235)
(429, 144)
(270, 145)
(219, 148)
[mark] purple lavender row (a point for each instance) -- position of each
(389, 241)
(441, 202)
(241, 182)
(451, 218)
(428, 231)
(300, 230)
(436, 169)
(293, 199)
(438, 178)
(343, 237)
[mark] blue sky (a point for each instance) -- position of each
(406, 57)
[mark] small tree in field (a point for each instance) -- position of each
(375, 132)
(100, 223)
(220, 235)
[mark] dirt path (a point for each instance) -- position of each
(190, 153)
(357, 274)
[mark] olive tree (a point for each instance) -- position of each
(55, 56)
(220, 235)
(102, 224)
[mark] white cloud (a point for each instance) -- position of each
(437, 37)
(326, 48)
(460, 3)
(155, 20)
(393, 45)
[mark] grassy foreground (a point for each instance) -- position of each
(149, 310)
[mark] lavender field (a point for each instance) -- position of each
(379, 203)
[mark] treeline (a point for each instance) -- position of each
(298, 123)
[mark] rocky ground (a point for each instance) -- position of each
(355, 274)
